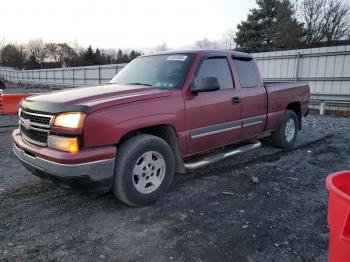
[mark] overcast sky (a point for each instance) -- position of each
(120, 23)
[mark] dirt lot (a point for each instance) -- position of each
(213, 214)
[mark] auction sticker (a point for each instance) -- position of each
(177, 58)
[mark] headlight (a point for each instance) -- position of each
(70, 120)
(69, 144)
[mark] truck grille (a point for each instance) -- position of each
(35, 127)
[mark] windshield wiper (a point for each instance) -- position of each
(139, 84)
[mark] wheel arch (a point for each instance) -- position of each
(166, 132)
(296, 108)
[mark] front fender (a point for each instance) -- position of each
(107, 127)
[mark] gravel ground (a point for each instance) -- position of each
(266, 205)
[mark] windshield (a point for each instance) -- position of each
(163, 71)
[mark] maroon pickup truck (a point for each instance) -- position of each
(131, 135)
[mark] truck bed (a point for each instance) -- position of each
(279, 96)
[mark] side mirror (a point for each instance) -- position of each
(206, 84)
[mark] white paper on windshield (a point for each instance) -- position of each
(177, 58)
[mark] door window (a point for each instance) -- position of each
(246, 72)
(216, 67)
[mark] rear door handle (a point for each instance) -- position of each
(235, 100)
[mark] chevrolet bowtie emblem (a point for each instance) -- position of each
(26, 123)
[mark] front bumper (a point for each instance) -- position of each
(91, 175)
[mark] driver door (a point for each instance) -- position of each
(213, 118)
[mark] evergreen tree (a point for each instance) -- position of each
(12, 56)
(89, 56)
(271, 26)
(125, 59)
(288, 31)
(132, 55)
(119, 56)
(98, 57)
(32, 62)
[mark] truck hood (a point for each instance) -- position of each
(87, 99)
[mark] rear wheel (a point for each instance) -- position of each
(144, 171)
(286, 134)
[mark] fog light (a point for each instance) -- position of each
(69, 144)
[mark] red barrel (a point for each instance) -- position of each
(9, 103)
(338, 185)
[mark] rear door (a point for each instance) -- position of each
(253, 97)
(212, 118)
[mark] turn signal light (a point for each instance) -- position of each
(69, 144)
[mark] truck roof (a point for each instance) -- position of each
(206, 51)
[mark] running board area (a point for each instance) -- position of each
(221, 156)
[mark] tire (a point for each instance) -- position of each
(286, 134)
(144, 170)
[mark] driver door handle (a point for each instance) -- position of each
(235, 100)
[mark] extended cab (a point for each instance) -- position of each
(131, 135)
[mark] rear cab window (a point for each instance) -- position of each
(216, 67)
(246, 72)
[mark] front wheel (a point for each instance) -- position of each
(286, 134)
(144, 170)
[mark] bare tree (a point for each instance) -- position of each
(52, 51)
(205, 43)
(65, 54)
(112, 53)
(2, 45)
(74, 44)
(324, 20)
(313, 20)
(229, 39)
(161, 48)
(76, 47)
(336, 21)
(2, 42)
(36, 48)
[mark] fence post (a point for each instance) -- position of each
(62, 70)
(54, 78)
(322, 108)
(99, 74)
(84, 71)
(73, 75)
(297, 69)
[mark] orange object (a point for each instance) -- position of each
(9, 103)
(69, 144)
(338, 185)
(73, 146)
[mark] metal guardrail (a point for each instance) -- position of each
(330, 99)
(306, 79)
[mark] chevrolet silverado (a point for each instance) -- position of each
(132, 135)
